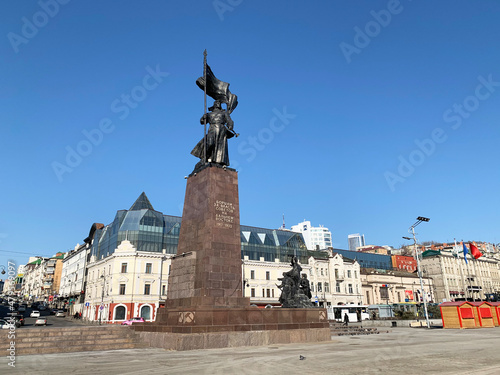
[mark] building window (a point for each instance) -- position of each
(252, 274)
(122, 289)
(349, 273)
(320, 287)
(272, 292)
(252, 292)
(355, 274)
(163, 290)
(146, 312)
(384, 292)
(327, 288)
(268, 275)
(368, 298)
(312, 287)
(148, 267)
(268, 293)
(337, 287)
(350, 289)
(336, 273)
(120, 313)
(263, 292)
(147, 289)
(322, 272)
(124, 267)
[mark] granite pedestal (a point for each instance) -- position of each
(205, 282)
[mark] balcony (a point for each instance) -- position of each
(474, 288)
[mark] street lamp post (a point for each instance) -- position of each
(420, 219)
(102, 297)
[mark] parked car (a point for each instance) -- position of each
(60, 314)
(42, 321)
(133, 320)
(35, 314)
(21, 308)
(41, 307)
(4, 324)
(9, 319)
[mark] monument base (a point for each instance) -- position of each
(203, 328)
(214, 340)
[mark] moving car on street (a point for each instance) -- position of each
(60, 314)
(41, 322)
(35, 314)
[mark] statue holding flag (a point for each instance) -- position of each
(212, 148)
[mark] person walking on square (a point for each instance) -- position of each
(346, 319)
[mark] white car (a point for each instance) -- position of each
(60, 313)
(41, 322)
(4, 324)
(35, 314)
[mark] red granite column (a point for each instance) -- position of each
(207, 268)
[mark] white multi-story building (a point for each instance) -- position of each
(42, 277)
(456, 280)
(126, 284)
(333, 279)
(316, 238)
(355, 240)
(72, 287)
(390, 287)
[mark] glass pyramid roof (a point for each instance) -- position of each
(142, 203)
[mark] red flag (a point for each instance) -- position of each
(475, 251)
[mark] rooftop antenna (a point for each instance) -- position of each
(283, 227)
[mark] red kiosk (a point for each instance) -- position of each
(458, 315)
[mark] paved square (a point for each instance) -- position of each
(402, 351)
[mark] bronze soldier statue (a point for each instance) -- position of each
(220, 130)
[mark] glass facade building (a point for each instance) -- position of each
(367, 260)
(150, 230)
(355, 240)
(145, 228)
(272, 244)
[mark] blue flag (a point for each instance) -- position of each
(465, 253)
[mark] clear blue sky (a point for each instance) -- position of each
(362, 83)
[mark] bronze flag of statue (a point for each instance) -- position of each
(212, 148)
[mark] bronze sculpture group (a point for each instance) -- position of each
(295, 290)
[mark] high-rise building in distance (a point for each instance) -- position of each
(314, 237)
(356, 240)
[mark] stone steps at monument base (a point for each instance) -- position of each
(75, 339)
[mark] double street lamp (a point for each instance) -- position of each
(420, 219)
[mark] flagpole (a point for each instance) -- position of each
(461, 270)
(469, 281)
(205, 109)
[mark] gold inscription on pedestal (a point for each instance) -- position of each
(224, 214)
